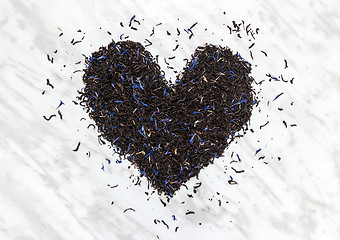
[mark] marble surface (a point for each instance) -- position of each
(48, 191)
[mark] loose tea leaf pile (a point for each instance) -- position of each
(170, 132)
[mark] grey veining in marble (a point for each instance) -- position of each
(48, 191)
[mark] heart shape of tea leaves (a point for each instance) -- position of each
(169, 132)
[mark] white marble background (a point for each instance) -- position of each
(48, 191)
